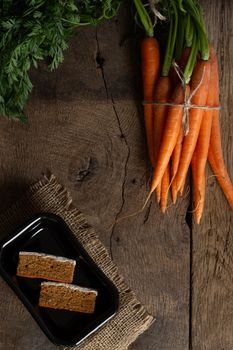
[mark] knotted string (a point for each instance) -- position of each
(187, 105)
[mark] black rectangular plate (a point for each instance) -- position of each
(49, 234)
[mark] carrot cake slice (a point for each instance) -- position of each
(48, 267)
(67, 297)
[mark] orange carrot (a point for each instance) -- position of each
(175, 159)
(150, 71)
(174, 190)
(198, 189)
(158, 193)
(165, 183)
(218, 166)
(196, 195)
(215, 155)
(182, 187)
(162, 94)
(170, 134)
(216, 160)
(203, 142)
(200, 80)
(177, 150)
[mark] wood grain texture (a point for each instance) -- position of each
(86, 127)
(212, 243)
(151, 250)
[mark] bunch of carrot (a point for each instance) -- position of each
(181, 104)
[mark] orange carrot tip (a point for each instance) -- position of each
(158, 193)
(165, 189)
(181, 191)
(174, 192)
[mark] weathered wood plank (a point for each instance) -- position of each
(151, 250)
(212, 284)
(86, 127)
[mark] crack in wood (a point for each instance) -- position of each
(227, 238)
(189, 223)
(191, 289)
(100, 62)
(188, 217)
(125, 173)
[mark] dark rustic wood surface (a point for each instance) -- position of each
(86, 128)
(212, 243)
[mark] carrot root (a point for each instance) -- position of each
(170, 135)
(165, 189)
(200, 80)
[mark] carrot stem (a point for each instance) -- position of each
(171, 41)
(144, 17)
(196, 15)
(188, 71)
(181, 36)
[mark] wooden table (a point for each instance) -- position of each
(86, 127)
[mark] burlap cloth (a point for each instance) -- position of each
(49, 196)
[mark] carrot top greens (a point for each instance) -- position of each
(32, 30)
(144, 17)
(180, 134)
(186, 29)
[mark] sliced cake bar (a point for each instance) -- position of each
(48, 267)
(67, 297)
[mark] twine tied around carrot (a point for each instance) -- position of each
(187, 105)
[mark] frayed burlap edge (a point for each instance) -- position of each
(49, 196)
